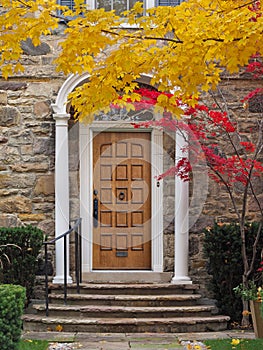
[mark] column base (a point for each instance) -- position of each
(181, 280)
(60, 280)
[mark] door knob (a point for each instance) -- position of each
(121, 196)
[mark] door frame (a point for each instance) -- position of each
(86, 192)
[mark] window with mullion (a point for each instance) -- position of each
(118, 5)
(168, 2)
(69, 3)
(121, 5)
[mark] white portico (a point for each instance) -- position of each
(62, 215)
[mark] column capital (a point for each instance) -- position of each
(61, 119)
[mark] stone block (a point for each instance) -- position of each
(23, 137)
(9, 220)
(31, 217)
(3, 139)
(42, 108)
(26, 149)
(47, 226)
(30, 167)
(44, 207)
(13, 86)
(3, 167)
(3, 98)
(47, 60)
(15, 204)
(9, 116)
(38, 89)
(44, 146)
(30, 49)
(45, 185)
(9, 181)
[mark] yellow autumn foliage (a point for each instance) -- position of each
(183, 48)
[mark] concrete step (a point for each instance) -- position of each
(101, 311)
(124, 289)
(38, 323)
(127, 300)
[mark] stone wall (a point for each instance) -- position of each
(27, 155)
(27, 140)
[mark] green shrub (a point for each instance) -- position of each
(23, 262)
(222, 247)
(12, 301)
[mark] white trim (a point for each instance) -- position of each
(86, 165)
(85, 174)
(68, 86)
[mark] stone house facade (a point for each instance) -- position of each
(46, 174)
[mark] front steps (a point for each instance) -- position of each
(131, 308)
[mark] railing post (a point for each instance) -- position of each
(46, 281)
(80, 250)
(77, 258)
(65, 269)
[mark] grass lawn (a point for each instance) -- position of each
(225, 344)
(33, 344)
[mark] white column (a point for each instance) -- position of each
(181, 225)
(157, 201)
(61, 194)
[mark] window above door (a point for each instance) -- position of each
(121, 5)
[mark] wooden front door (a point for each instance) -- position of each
(122, 200)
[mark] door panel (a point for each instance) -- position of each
(122, 186)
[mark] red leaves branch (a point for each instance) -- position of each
(203, 126)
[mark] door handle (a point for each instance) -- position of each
(95, 211)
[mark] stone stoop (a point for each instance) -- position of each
(131, 308)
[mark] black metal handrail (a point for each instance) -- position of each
(76, 228)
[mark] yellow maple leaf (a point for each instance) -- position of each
(59, 328)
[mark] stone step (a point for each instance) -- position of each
(125, 311)
(124, 289)
(38, 323)
(127, 300)
(125, 308)
(127, 277)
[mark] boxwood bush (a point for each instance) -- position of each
(222, 247)
(12, 301)
(20, 266)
